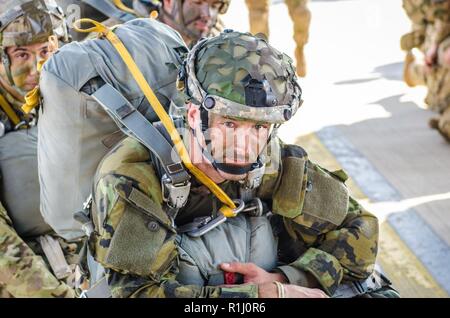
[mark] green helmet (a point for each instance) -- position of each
(240, 75)
(25, 22)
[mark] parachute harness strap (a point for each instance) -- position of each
(229, 206)
(9, 111)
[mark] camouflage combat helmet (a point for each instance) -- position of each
(240, 75)
(25, 22)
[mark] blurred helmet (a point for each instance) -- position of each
(26, 22)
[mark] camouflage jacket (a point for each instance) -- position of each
(429, 17)
(23, 273)
(331, 240)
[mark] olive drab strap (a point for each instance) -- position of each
(176, 185)
(55, 256)
(229, 206)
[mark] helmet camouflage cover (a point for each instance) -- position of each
(239, 75)
(25, 22)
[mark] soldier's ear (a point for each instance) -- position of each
(193, 115)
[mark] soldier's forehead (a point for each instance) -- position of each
(240, 119)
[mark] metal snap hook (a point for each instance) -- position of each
(240, 205)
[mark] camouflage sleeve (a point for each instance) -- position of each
(22, 272)
(441, 14)
(416, 13)
(134, 238)
(125, 286)
(345, 253)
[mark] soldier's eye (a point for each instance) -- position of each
(21, 56)
(44, 53)
(261, 126)
(229, 124)
(216, 5)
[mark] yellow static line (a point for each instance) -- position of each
(403, 268)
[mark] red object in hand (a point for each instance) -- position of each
(229, 278)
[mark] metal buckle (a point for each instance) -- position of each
(175, 195)
(254, 177)
(83, 218)
(254, 207)
(88, 203)
(206, 224)
(2, 129)
(19, 125)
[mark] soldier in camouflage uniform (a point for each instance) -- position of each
(25, 27)
(431, 35)
(192, 19)
(301, 18)
(315, 237)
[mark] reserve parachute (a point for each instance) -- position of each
(74, 130)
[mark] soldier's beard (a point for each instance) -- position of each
(197, 25)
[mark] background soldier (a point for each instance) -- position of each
(301, 18)
(25, 29)
(431, 35)
(192, 19)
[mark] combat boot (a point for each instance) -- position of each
(442, 124)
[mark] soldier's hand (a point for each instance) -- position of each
(270, 290)
(252, 273)
(294, 291)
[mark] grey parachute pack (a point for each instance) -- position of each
(75, 132)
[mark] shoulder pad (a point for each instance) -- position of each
(309, 194)
(144, 241)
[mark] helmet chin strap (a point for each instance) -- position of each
(7, 66)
